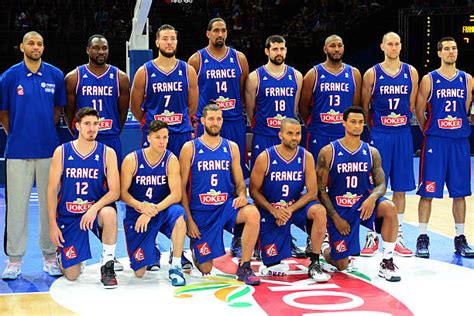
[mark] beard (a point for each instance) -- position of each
(210, 132)
(290, 145)
(166, 54)
(335, 60)
(277, 62)
(99, 62)
(31, 57)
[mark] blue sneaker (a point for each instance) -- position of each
(155, 266)
(185, 263)
(176, 276)
(236, 247)
(246, 274)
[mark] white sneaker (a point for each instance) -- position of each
(389, 271)
(316, 273)
(51, 266)
(118, 266)
(12, 271)
(276, 270)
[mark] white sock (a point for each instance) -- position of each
(423, 228)
(400, 222)
(108, 253)
(388, 248)
(459, 229)
(176, 262)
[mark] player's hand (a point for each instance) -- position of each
(280, 222)
(239, 202)
(148, 209)
(342, 225)
(56, 235)
(193, 230)
(367, 208)
(87, 220)
(142, 223)
(282, 214)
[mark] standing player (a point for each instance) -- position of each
(151, 188)
(328, 89)
(103, 87)
(86, 173)
(351, 187)
(277, 182)
(389, 94)
(32, 99)
(445, 156)
(216, 197)
(222, 72)
(166, 87)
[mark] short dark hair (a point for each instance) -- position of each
(351, 109)
(288, 121)
(87, 111)
(99, 36)
(156, 125)
(165, 27)
(274, 39)
(214, 20)
(444, 39)
(210, 108)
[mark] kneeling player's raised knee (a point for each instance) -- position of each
(72, 273)
(317, 212)
(205, 268)
(140, 272)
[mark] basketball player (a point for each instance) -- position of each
(388, 98)
(446, 94)
(351, 186)
(216, 196)
(328, 89)
(86, 173)
(167, 89)
(222, 72)
(151, 188)
(103, 87)
(277, 182)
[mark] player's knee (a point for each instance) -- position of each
(180, 224)
(426, 199)
(206, 267)
(317, 212)
(140, 272)
(341, 264)
(108, 216)
(72, 273)
(252, 215)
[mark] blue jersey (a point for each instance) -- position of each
(150, 182)
(284, 179)
(102, 93)
(332, 94)
(390, 103)
(210, 183)
(83, 181)
(30, 99)
(350, 175)
(219, 82)
(166, 97)
(275, 100)
(447, 116)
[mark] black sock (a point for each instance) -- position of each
(313, 256)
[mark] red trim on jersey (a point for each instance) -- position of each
(422, 162)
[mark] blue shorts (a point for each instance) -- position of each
(445, 160)
(211, 226)
(314, 143)
(259, 144)
(234, 131)
(76, 241)
(345, 246)
(175, 141)
(114, 143)
(396, 151)
(141, 246)
(275, 241)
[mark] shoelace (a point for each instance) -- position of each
(316, 266)
(423, 242)
(463, 242)
(401, 242)
(390, 265)
(370, 242)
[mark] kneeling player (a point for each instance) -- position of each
(276, 185)
(348, 168)
(88, 176)
(151, 188)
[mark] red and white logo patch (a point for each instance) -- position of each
(204, 249)
(138, 255)
(70, 253)
(340, 246)
(105, 124)
(430, 187)
(271, 250)
(20, 90)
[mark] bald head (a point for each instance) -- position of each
(28, 35)
(390, 35)
(332, 38)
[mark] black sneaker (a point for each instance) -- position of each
(309, 247)
(422, 243)
(236, 247)
(316, 273)
(461, 247)
(155, 266)
(257, 253)
(296, 252)
(185, 263)
(108, 277)
(246, 274)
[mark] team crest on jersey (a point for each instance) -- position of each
(271, 250)
(169, 118)
(430, 187)
(340, 246)
(79, 206)
(105, 124)
(70, 253)
(275, 122)
(348, 199)
(394, 120)
(204, 249)
(225, 103)
(290, 77)
(213, 197)
(332, 117)
(111, 76)
(20, 90)
(282, 204)
(138, 255)
(232, 60)
(450, 122)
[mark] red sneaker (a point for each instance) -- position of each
(371, 245)
(401, 249)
